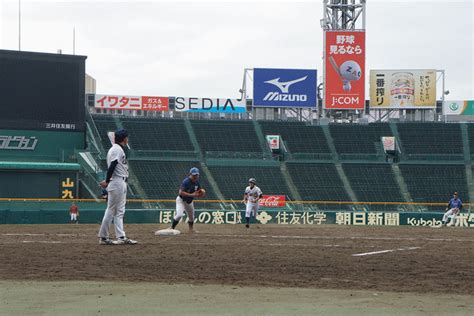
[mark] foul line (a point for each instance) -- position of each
(28, 234)
(25, 234)
(42, 242)
(383, 251)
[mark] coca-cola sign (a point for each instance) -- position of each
(273, 201)
(388, 143)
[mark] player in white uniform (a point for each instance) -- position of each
(116, 184)
(252, 195)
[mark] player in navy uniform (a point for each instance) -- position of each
(453, 209)
(189, 189)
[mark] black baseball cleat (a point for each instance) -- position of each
(247, 225)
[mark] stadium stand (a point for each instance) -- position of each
(358, 139)
(317, 182)
(373, 182)
(156, 134)
(232, 180)
(161, 179)
(104, 125)
(434, 182)
(313, 180)
(226, 136)
(299, 137)
(470, 130)
(430, 139)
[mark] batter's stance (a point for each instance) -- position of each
(116, 184)
(252, 196)
(189, 189)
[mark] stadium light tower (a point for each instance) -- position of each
(19, 25)
(344, 15)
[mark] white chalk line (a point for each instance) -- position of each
(42, 242)
(383, 251)
(29, 234)
(24, 234)
(340, 237)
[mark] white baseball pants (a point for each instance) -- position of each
(251, 209)
(181, 207)
(115, 211)
(453, 213)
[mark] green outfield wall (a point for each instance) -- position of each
(26, 212)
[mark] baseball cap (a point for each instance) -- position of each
(121, 134)
(252, 180)
(194, 171)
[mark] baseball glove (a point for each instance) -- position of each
(201, 192)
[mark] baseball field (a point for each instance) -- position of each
(230, 270)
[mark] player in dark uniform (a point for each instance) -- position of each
(189, 189)
(453, 209)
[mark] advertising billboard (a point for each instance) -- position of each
(292, 88)
(388, 143)
(126, 102)
(273, 141)
(458, 107)
(40, 145)
(402, 89)
(209, 105)
(344, 83)
(272, 201)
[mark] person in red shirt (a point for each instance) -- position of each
(74, 212)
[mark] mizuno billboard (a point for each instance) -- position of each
(292, 88)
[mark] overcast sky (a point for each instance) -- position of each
(200, 48)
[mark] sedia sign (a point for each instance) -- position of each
(209, 105)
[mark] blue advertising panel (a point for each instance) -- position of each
(292, 88)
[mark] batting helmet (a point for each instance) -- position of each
(252, 180)
(120, 135)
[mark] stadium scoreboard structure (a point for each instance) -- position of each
(42, 91)
(42, 124)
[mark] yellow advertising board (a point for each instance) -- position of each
(402, 89)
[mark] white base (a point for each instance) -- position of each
(167, 232)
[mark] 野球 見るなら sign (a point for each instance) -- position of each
(344, 85)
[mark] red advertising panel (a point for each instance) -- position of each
(344, 83)
(155, 104)
(117, 102)
(272, 201)
(126, 102)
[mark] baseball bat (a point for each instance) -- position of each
(335, 66)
